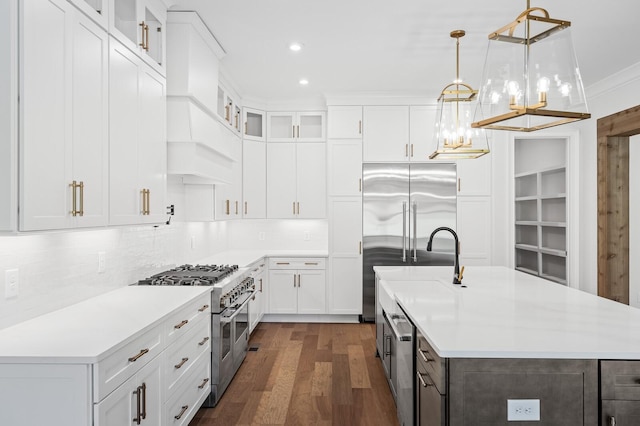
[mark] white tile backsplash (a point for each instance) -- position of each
(57, 269)
(285, 234)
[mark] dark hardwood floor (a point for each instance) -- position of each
(307, 374)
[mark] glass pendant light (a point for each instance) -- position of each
(455, 138)
(531, 78)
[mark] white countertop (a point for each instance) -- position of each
(244, 258)
(503, 313)
(89, 331)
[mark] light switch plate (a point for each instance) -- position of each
(523, 410)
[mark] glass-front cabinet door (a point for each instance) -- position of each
(254, 124)
(97, 10)
(140, 25)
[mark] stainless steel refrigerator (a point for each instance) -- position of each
(401, 205)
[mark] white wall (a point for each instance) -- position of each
(614, 94)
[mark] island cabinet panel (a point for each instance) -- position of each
(479, 389)
(620, 392)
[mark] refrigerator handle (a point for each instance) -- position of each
(404, 231)
(415, 232)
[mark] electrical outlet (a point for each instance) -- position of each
(261, 236)
(102, 262)
(523, 410)
(11, 283)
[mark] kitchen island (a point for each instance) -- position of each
(505, 335)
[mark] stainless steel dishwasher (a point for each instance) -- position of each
(401, 358)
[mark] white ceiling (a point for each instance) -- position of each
(402, 47)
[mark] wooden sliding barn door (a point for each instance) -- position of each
(613, 202)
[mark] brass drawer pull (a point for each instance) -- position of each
(422, 382)
(136, 357)
(282, 263)
(310, 263)
(182, 324)
(184, 410)
(181, 363)
(205, 340)
(204, 308)
(203, 384)
(424, 354)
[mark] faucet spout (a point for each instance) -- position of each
(457, 276)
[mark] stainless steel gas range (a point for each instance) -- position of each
(232, 288)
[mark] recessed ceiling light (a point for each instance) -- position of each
(304, 82)
(295, 47)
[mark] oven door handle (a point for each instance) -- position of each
(238, 309)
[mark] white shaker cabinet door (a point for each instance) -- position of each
(386, 133)
(344, 122)
(283, 294)
(152, 143)
(345, 167)
(311, 181)
(311, 292)
(90, 120)
(281, 180)
(45, 153)
(421, 125)
(474, 176)
(254, 175)
(125, 199)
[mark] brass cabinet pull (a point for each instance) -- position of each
(246, 209)
(181, 363)
(73, 186)
(184, 410)
(146, 32)
(298, 204)
(360, 247)
(227, 112)
(81, 198)
(282, 263)
(236, 206)
(205, 340)
(142, 43)
(406, 149)
(411, 150)
(182, 324)
(294, 280)
(359, 127)
(137, 357)
(144, 401)
(459, 184)
(203, 384)
(298, 280)
(422, 382)
(424, 354)
(293, 131)
(237, 125)
(204, 308)
(298, 128)
(138, 394)
(245, 128)
(260, 285)
(228, 208)
(294, 207)
(360, 185)
(148, 201)
(310, 263)
(145, 201)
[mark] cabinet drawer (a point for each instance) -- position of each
(190, 394)
(181, 356)
(620, 380)
(620, 413)
(297, 263)
(184, 320)
(427, 357)
(125, 362)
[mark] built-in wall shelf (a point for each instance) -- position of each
(540, 198)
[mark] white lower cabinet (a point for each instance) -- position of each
(297, 286)
(136, 401)
(258, 302)
(157, 371)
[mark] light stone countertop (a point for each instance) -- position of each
(504, 313)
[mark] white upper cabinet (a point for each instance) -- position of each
(421, 124)
(229, 195)
(254, 176)
(344, 122)
(229, 110)
(474, 176)
(140, 26)
(97, 10)
(255, 124)
(63, 144)
(386, 134)
(345, 167)
(138, 146)
(296, 126)
(296, 181)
